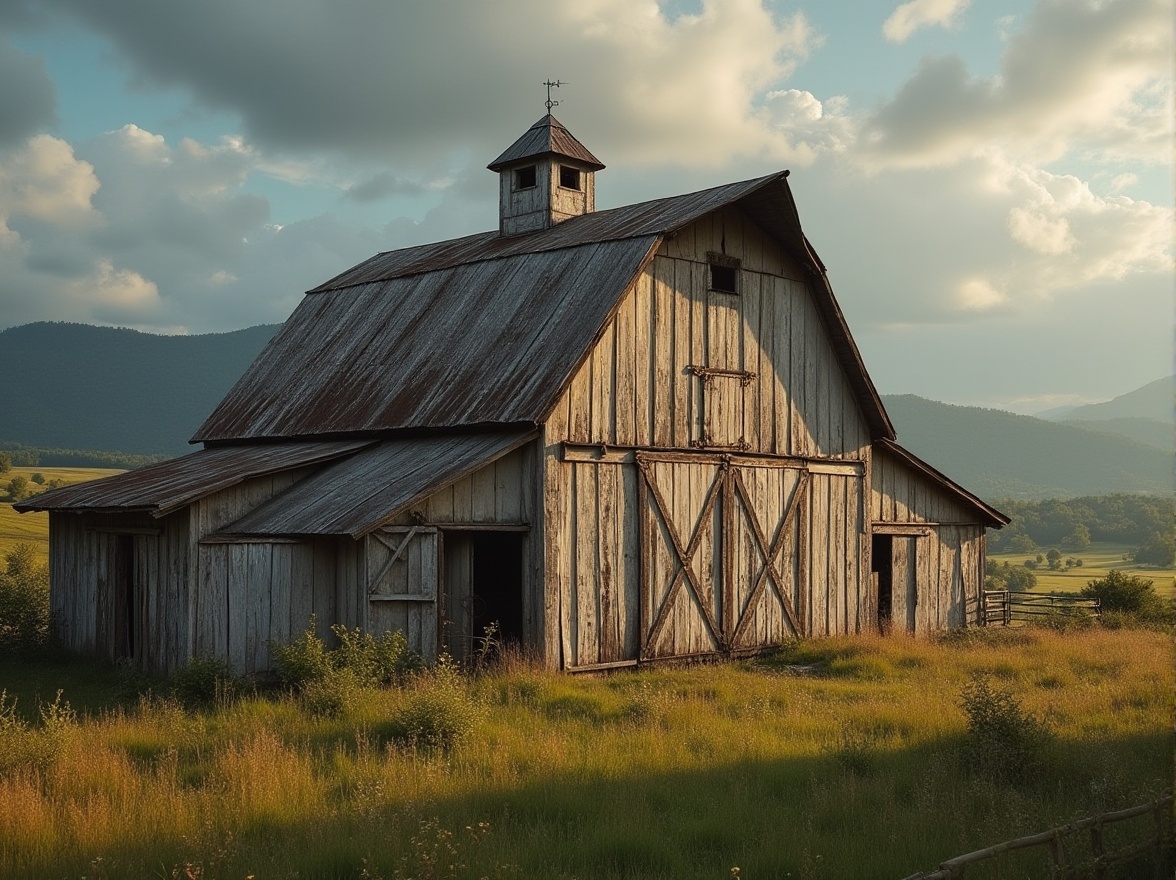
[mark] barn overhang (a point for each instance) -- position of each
(163, 488)
(358, 495)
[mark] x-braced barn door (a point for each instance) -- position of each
(721, 567)
(402, 578)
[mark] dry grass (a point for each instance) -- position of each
(837, 758)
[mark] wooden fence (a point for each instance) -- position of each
(1006, 606)
(1064, 864)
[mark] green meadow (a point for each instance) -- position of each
(1097, 561)
(840, 758)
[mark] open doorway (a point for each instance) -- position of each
(882, 571)
(483, 587)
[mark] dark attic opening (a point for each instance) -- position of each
(724, 273)
(484, 591)
(524, 178)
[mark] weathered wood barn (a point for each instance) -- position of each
(621, 435)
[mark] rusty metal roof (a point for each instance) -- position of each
(486, 330)
(359, 494)
(162, 488)
(988, 514)
(547, 137)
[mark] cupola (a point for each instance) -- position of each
(544, 178)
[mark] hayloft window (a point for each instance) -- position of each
(724, 273)
(524, 178)
(569, 178)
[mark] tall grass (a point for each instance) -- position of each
(836, 758)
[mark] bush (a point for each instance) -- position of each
(24, 602)
(1130, 594)
(1004, 742)
(439, 711)
(303, 659)
(205, 681)
(1158, 549)
(22, 745)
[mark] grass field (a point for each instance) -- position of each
(840, 758)
(1097, 560)
(33, 528)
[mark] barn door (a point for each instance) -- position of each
(721, 568)
(402, 577)
(763, 530)
(681, 601)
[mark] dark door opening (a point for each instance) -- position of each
(882, 570)
(497, 584)
(126, 600)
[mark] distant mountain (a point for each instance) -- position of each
(1153, 401)
(1149, 432)
(997, 454)
(80, 387)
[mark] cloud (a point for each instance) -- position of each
(1081, 78)
(910, 17)
(27, 95)
(428, 85)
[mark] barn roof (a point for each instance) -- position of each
(160, 489)
(988, 514)
(485, 331)
(357, 495)
(547, 137)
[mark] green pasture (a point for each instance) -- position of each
(33, 528)
(1097, 560)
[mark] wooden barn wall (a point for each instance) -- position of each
(252, 592)
(901, 495)
(505, 492)
(949, 557)
(599, 552)
(637, 388)
(91, 553)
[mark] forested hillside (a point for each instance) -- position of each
(73, 386)
(998, 454)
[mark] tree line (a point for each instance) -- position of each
(1144, 521)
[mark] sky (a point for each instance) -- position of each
(989, 182)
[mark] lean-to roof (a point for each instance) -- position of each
(357, 495)
(160, 489)
(486, 330)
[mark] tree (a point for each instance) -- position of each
(1158, 550)
(1079, 539)
(1022, 544)
(38, 478)
(5, 462)
(1128, 593)
(1055, 559)
(17, 488)
(1020, 579)
(1030, 564)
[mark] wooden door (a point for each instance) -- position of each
(722, 564)
(402, 579)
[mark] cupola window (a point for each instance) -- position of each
(569, 178)
(524, 178)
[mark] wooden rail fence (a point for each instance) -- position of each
(1005, 606)
(1063, 866)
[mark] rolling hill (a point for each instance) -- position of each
(81, 387)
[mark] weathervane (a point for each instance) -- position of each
(550, 85)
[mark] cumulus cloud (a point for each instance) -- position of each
(910, 17)
(402, 83)
(1080, 77)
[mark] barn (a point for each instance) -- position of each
(620, 436)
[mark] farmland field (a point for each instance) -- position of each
(1097, 560)
(837, 758)
(33, 528)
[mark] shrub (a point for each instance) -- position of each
(1130, 594)
(22, 745)
(24, 601)
(1004, 742)
(205, 681)
(439, 711)
(303, 659)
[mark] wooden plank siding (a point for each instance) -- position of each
(638, 387)
(948, 555)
